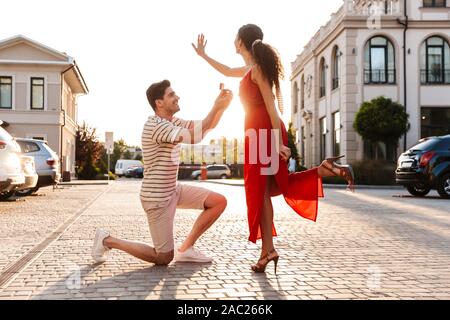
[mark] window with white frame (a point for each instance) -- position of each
(323, 137)
(5, 92)
(302, 92)
(337, 133)
(336, 67)
(379, 61)
(435, 56)
(434, 3)
(303, 144)
(37, 93)
(295, 97)
(323, 78)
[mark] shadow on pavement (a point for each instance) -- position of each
(415, 225)
(267, 289)
(154, 282)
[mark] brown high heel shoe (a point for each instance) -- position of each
(260, 267)
(345, 171)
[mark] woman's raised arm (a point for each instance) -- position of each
(223, 69)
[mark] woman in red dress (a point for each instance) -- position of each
(266, 155)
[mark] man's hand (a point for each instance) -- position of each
(223, 100)
(285, 152)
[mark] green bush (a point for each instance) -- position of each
(369, 172)
(87, 172)
(103, 176)
(374, 172)
(333, 180)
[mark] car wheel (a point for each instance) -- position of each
(223, 177)
(419, 190)
(6, 195)
(443, 187)
(24, 193)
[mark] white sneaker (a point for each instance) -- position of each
(99, 251)
(192, 255)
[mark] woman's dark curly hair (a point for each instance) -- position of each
(265, 56)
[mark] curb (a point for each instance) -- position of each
(328, 186)
(85, 183)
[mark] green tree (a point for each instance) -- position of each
(127, 155)
(382, 120)
(119, 149)
(88, 152)
(103, 161)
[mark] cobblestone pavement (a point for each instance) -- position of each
(374, 244)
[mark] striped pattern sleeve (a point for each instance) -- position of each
(165, 132)
(182, 123)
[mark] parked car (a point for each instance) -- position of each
(135, 172)
(426, 166)
(46, 162)
(11, 174)
(31, 176)
(123, 164)
(214, 171)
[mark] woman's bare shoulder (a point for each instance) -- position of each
(257, 74)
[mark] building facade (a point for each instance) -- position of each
(392, 48)
(39, 87)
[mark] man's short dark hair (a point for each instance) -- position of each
(156, 92)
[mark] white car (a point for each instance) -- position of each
(11, 174)
(123, 165)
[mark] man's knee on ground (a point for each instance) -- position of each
(216, 200)
(222, 202)
(163, 259)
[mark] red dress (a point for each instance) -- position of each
(301, 190)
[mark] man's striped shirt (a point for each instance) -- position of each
(161, 155)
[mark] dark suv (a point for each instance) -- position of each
(426, 166)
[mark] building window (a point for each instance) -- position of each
(323, 137)
(295, 97)
(435, 122)
(434, 3)
(337, 133)
(6, 92)
(379, 61)
(435, 55)
(323, 78)
(302, 93)
(303, 144)
(336, 68)
(37, 93)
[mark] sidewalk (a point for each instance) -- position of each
(366, 245)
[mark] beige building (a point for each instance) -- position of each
(398, 49)
(38, 95)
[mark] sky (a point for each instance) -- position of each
(122, 47)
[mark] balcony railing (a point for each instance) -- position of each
(440, 76)
(374, 7)
(379, 76)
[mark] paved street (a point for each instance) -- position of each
(374, 244)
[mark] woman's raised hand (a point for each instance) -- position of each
(201, 45)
